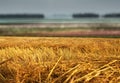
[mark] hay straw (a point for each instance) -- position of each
(2, 78)
(53, 68)
(95, 71)
(66, 73)
(75, 71)
(5, 61)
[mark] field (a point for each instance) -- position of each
(61, 30)
(59, 60)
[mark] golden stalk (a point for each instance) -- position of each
(53, 68)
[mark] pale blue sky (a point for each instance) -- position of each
(59, 6)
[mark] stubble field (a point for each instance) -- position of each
(59, 60)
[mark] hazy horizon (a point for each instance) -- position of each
(53, 7)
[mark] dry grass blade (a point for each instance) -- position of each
(66, 73)
(5, 61)
(75, 71)
(89, 77)
(2, 78)
(95, 71)
(53, 68)
(72, 80)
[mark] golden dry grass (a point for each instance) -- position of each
(59, 60)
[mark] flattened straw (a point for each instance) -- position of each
(79, 79)
(66, 73)
(5, 61)
(53, 68)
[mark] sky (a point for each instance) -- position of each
(49, 7)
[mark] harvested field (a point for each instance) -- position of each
(61, 29)
(87, 33)
(59, 60)
(60, 32)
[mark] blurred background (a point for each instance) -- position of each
(60, 18)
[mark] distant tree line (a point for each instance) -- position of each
(22, 16)
(75, 15)
(112, 15)
(85, 15)
(94, 15)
